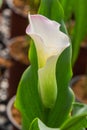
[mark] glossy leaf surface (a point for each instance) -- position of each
(28, 99)
(78, 119)
(79, 31)
(39, 125)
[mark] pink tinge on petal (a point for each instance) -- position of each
(48, 30)
(41, 25)
(47, 36)
(43, 19)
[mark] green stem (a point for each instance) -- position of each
(46, 114)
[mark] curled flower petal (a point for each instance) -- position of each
(49, 40)
(50, 43)
(47, 82)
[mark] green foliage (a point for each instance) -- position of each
(53, 10)
(38, 125)
(78, 121)
(47, 9)
(64, 100)
(28, 100)
(80, 30)
(68, 8)
(79, 10)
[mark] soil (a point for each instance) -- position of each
(23, 6)
(84, 43)
(80, 89)
(16, 115)
(18, 49)
(19, 3)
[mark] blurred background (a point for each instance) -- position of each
(14, 46)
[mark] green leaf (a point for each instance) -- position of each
(74, 123)
(39, 125)
(79, 11)
(65, 97)
(80, 30)
(79, 119)
(79, 108)
(68, 8)
(27, 98)
(53, 10)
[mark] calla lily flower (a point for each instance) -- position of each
(50, 42)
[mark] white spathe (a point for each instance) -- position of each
(50, 43)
